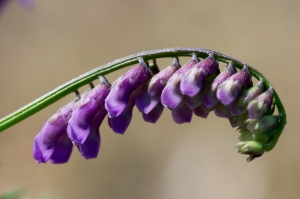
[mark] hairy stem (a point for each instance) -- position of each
(86, 78)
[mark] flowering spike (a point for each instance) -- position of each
(116, 101)
(150, 96)
(209, 98)
(261, 104)
(183, 114)
(228, 90)
(263, 124)
(171, 96)
(193, 79)
(154, 114)
(81, 122)
(239, 106)
(52, 136)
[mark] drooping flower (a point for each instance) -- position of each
(79, 125)
(239, 106)
(154, 114)
(201, 111)
(150, 96)
(209, 98)
(262, 124)
(229, 90)
(261, 104)
(171, 96)
(193, 79)
(182, 114)
(222, 111)
(117, 100)
(52, 142)
(88, 114)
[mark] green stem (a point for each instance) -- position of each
(86, 78)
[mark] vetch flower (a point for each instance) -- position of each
(201, 111)
(79, 125)
(261, 104)
(154, 114)
(182, 114)
(117, 100)
(262, 124)
(150, 96)
(52, 142)
(171, 96)
(239, 106)
(229, 90)
(222, 111)
(194, 78)
(209, 98)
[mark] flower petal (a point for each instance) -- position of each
(62, 150)
(183, 114)
(154, 114)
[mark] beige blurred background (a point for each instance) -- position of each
(59, 40)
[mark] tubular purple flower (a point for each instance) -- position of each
(239, 106)
(52, 141)
(150, 96)
(193, 79)
(182, 114)
(171, 96)
(81, 122)
(229, 90)
(209, 98)
(261, 104)
(117, 100)
(263, 124)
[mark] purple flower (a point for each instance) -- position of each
(52, 142)
(150, 96)
(193, 79)
(117, 100)
(263, 124)
(229, 90)
(239, 106)
(222, 111)
(154, 114)
(209, 98)
(88, 114)
(171, 96)
(261, 104)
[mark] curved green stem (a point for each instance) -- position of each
(86, 78)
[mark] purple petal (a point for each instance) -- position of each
(183, 114)
(62, 150)
(154, 114)
(209, 99)
(192, 82)
(36, 151)
(116, 101)
(90, 148)
(201, 111)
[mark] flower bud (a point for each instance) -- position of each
(193, 79)
(150, 96)
(171, 96)
(229, 90)
(221, 111)
(239, 106)
(261, 104)
(262, 124)
(209, 98)
(116, 101)
(250, 147)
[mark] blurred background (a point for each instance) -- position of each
(44, 47)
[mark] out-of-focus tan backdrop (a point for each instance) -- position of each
(59, 40)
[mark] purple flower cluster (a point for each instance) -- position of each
(197, 87)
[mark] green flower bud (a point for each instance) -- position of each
(262, 124)
(250, 147)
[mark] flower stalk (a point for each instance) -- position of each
(88, 77)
